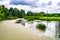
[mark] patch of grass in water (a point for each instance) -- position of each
(41, 27)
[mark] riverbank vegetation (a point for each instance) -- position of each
(13, 13)
(29, 18)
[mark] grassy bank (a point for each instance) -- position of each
(31, 18)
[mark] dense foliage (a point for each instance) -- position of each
(41, 27)
(11, 13)
(14, 13)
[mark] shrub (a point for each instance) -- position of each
(41, 27)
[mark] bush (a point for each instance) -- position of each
(41, 27)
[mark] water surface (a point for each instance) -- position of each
(9, 30)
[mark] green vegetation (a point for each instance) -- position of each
(41, 27)
(29, 18)
(13, 13)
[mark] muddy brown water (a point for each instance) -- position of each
(9, 30)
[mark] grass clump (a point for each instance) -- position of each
(41, 27)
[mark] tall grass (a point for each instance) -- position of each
(31, 18)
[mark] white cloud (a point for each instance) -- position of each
(29, 0)
(39, 3)
(4, 2)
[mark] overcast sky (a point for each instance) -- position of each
(33, 5)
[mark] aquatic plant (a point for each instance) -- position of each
(41, 27)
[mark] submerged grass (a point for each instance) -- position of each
(41, 27)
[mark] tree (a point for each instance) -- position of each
(22, 13)
(11, 10)
(29, 13)
(15, 12)
(1, 13)
(3, 6)
(41, 14)
(6, 13)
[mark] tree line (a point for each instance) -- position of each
(14, 13)
(11, 13)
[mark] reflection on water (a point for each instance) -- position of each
(11, 31)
